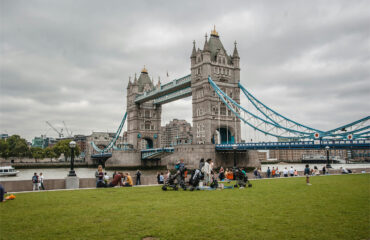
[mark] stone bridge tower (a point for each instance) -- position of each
(143, 120)
(213, 122)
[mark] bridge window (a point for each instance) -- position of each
(147, 113)
(223, 60)
(147, 125)
(223, 110)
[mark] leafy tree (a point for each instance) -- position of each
(37, 152)
(4, 148)
(49, 152)
(18, 147)
(63, 147)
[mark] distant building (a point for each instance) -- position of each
(43, 142)
(176, 132)
(4, 136)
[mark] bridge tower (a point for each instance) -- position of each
(143, 120)
(213, 122)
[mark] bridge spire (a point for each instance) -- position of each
(206, 46)
(194, 52)
(235, 54)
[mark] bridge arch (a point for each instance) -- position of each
(146, 143)
(223, 134)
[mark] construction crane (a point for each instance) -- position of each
(60, 133)
(68, 132)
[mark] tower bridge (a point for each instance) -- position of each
(217, 115)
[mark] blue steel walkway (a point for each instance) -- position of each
(340, 144)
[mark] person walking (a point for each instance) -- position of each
(41, 181)
(158, 177)
(207, 172)
(35, 182)
(285, 172)
(268, 172)
(323, 170)
(138, 177)
(307, 173)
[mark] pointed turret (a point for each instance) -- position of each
(206, 45)
(159, 82)
(235, 54)
(129, 82)
(194, 52)
(135, 79)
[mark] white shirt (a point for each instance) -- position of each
(291, 171)
(207, 168)
(285, 171)
(41, 179)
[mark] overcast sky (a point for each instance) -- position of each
(71, 60)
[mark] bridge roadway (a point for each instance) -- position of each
(174, 90)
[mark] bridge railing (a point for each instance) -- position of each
(299, 144)
(172, 95)
(164, 87)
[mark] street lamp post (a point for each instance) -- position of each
(72, 145)
(235, 146)
(327, 157)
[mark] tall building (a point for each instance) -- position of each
(143, 120)
(213, 122)
(176, 132)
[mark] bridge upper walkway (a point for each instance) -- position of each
(316, 144)
(176, 89)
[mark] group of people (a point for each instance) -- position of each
(37, 182)
(119, 178)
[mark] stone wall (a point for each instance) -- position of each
(124, 159)
(51, 184)
(193, 153)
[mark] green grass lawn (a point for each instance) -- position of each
(334, 207)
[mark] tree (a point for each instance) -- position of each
(37, 153)
(63, 147)
(18, 147)
(4, 148)
(49, 152)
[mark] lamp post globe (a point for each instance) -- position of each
(72, 146)
(327, 157)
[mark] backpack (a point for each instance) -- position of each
(34, 179)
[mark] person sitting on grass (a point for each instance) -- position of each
(2, 193)
(221, 175)
(277, 172)
(307, 173)
(116, 180)
(229, 174)
(128, 182)
(161, 178)
(99, 175)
